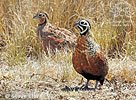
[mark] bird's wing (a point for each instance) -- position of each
(57, 39)
(60, 33)
(95, 50)
(96, 58)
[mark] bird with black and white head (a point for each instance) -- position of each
(88, 58)
(84, 26)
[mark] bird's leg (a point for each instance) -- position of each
(96, 84)
(82, 86)
(101, 83)
(86, 86)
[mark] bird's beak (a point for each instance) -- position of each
(76, 24)
(34, 17)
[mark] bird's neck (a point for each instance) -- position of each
(42, 21)
(40, 28)
(86, 33)
(80, 43)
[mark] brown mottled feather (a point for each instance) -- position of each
(53, 37)
(60, 32)
(91, 64)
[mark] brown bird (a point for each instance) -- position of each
(88, 59)
(53, 37)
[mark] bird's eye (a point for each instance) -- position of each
(40, 15)
(82, 22)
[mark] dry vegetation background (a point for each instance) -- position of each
(23, 63)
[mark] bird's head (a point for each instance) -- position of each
(84, 26)
(42, 16)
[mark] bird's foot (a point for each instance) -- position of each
(96, 88)
(86, 88)
(82, 87)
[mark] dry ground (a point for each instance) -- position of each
(43, 80)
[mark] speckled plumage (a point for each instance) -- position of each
(53, 37)
(88, 58)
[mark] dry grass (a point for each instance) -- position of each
(18, 28)
(21, 55)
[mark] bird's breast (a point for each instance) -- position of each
(79, 57)
(87, 58)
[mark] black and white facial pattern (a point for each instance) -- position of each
(84, 26)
